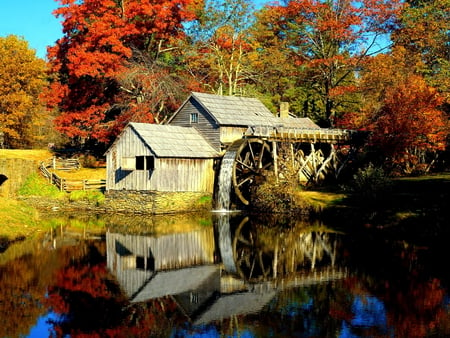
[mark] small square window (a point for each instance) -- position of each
(194, 117)
(145, 163)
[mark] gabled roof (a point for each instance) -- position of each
(297, 122)
(235, 304)
(173, 282)
(232, 110)
(172, 141)
(242, 111)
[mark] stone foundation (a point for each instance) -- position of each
(15, 172)
(156, 202)
(131, 202)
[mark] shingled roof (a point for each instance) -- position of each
(244, 111)
(173, 141)
(234, 110)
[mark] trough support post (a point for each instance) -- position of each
(275, 160)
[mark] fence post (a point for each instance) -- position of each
(54, 162)
(61, 182)
(84, 185)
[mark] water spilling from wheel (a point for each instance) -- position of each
(225, 181)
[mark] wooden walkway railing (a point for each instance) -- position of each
(64, 184)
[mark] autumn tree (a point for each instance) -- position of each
(402, 112)
(221, 49)
(95, 62)
(22, 78)
(410, 126)
(424, 32)
(327, 42)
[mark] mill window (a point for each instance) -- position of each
(194, 118)
(145, 163)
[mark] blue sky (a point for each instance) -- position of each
(33, 20)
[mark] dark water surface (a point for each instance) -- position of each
(220, 275)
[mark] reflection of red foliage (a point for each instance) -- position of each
(413, 307)
(419, 310)
(86, 279)
(94, 306)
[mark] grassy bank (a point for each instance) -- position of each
(28, 154)
(412, 208)
(18, 220)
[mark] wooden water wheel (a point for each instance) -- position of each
(253, 159)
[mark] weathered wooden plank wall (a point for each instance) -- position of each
(169, 174)
(205, 125)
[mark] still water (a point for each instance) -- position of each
(219, 275)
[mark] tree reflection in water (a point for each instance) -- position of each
(239, 276)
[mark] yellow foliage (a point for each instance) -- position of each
(22, 78)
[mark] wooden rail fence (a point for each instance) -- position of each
(64, 184)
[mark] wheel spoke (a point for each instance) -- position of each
(240, 183)
(245, 165)
(261, 156)
(253, 157)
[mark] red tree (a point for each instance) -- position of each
(100, 37)
(409, 125)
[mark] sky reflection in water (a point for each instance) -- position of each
(167, 279)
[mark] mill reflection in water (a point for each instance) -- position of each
(230, 269)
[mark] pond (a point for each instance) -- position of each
(220, 275)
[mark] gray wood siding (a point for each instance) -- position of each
(174, 174)
(230, 134)
(128, 145)
(170, 174)
(206, 124)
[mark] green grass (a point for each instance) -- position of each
(36, 185)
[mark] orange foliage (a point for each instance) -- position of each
(100, 37)
(410, 118)
(328, 41)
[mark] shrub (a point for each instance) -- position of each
(88, 161)
(369, 183)
(279, 197)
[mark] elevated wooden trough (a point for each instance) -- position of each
(311, 154)
(292, 134)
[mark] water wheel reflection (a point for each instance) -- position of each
(262, 253)
(250, 259)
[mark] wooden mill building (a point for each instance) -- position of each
(182, 155)
(224, 119)
(150, 157)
